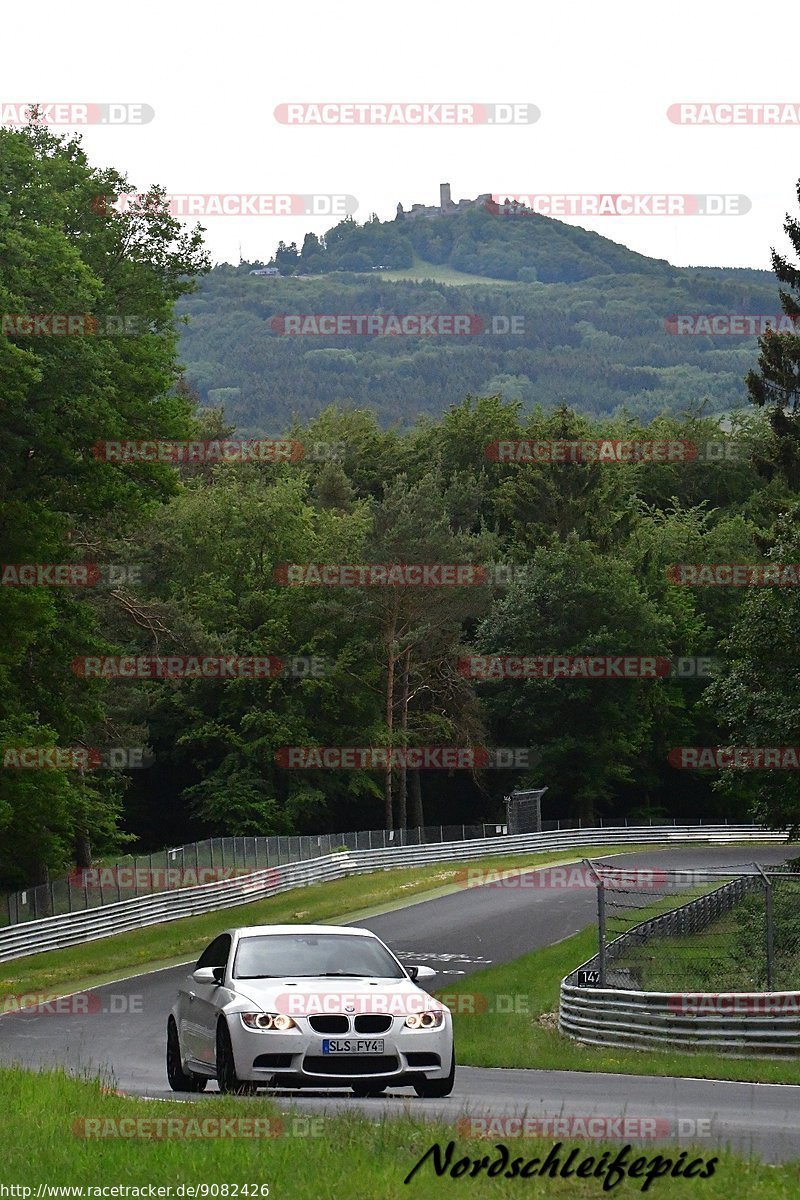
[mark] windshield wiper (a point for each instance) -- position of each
(258, 977)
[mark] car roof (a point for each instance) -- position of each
(261, 930)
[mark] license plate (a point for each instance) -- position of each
(352, 1046)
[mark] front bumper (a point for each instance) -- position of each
(297, 1056)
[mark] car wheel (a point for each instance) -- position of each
(180, 1080)
(368, 1089)
(434, 1088)
(227, 1079)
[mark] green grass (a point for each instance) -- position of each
(347, 1156)
(702, 962)
(666, 963)
(728, 955)
(172, 942)
(420, 270)
(524, 1034)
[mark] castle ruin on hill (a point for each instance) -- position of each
(446, 206)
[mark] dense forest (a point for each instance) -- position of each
(529, 248)
(396, 466)
(589, 325)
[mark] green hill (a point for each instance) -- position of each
(591, 321)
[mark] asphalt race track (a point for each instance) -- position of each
(122, 1032)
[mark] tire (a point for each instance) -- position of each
(368, 1089)
(180, 1080)
(227, 1079)
(433, 1089)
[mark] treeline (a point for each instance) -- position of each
(529, 249)
(601, 346)
(195, 561)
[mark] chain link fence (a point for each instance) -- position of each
(224, 858)
(206, 862)
(734, 930)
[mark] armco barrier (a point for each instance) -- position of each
(49, 933)
(733, 1024)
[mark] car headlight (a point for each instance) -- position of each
(265, 1021)
(432, 1019)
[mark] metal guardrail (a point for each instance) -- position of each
(733, 1024)
(35, 937)
(220, 858)
(210, 860)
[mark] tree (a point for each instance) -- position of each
(67, 251)
(213, 555)
(287, 258)
(775, 387)
(312, 246)
(418, 628)
(756, 698)
(573, 601)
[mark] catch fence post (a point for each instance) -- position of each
(601, 921)
(770, 930)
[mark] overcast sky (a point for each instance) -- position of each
(602, 76)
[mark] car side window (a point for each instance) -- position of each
(216, 955)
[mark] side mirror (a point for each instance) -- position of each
(209, 975)
(421, 972)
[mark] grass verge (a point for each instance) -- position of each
(421, 270)
(172, 942)
(45, 1116)
(514, 1025)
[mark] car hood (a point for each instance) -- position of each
(311, 997)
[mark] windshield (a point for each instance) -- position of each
(313, 955)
